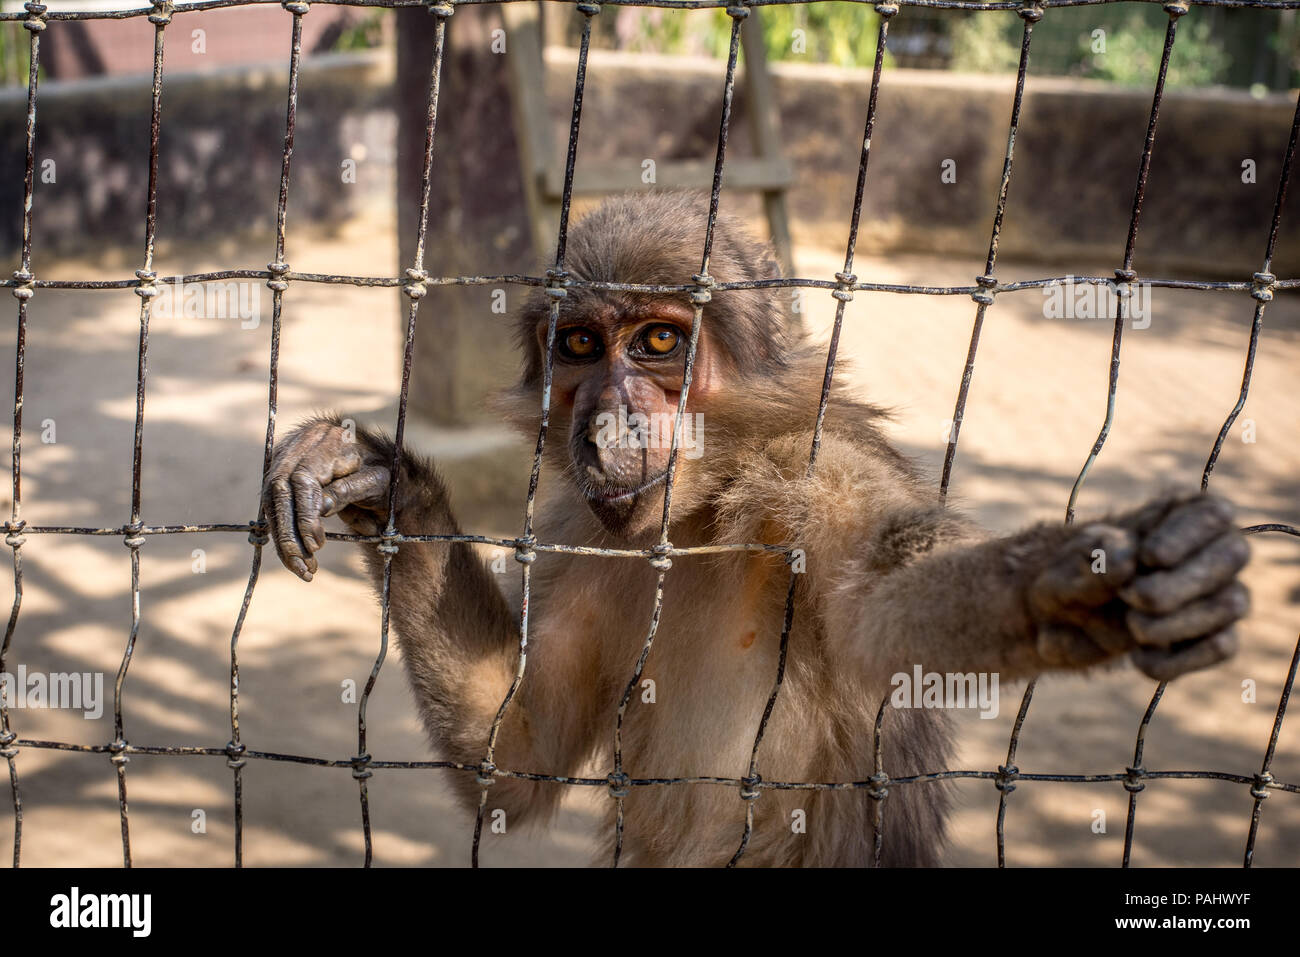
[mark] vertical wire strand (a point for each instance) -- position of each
(524, 552)
(1133, 780)
(35, 24)
(751, 784)
(415, 290)
(257, 537)
(987, 283)
(1262, 294)
(1030, 14)
(146, 290)
(701, 296)
(1259, 789)
(1123, 289)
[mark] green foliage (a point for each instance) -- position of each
(1064, 44)
(365, 33)
(843, 34)
(1132, 55)
(15, 55)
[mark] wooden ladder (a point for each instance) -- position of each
(768, 172)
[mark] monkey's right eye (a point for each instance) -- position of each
(579, 344)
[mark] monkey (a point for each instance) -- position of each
(893, 576)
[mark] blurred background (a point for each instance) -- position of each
(652, 97)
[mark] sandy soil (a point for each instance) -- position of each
(1036, 403)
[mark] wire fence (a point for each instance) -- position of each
(415, 282)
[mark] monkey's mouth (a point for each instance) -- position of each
(617, 494)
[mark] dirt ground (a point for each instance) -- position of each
(1037, 400)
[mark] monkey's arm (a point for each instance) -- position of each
(458, 637)
(1159, 584)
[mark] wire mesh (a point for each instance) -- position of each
(415, 282)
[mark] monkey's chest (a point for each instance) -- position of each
(696, 700)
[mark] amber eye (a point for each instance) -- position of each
(661, 340)
(580, 344)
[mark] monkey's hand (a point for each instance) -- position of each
(1159, 583)
(323, 468)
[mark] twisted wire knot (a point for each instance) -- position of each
(878, 782)
(1175, 8)
(556, 280)
(1259, 790)
(119, 755)
(659, 559)
(389, 544)
(148, 287)
(360, 767)
(749, 790)
(133, 539)
(484, 775)
(886, 10)
(1262, 286)
(296, 7)
(703, 283)
(35, 21)
(235, 755)
(524, 553)
(738, 13)
(1006, 779)
(26, 287)
(619, 784)
(442, 9)
(7, 738)
(278, 271)
(983, 294)
(1031, 11)
(415, 287)
(843, 290)
(15, 536)
(257, 533)
(162, 14)
(1133, 779)
(589, 9)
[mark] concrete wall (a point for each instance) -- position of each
(220, 153)
(1075, 168)
(1076, 158)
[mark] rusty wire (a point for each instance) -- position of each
(415, 282)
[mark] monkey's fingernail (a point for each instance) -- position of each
(326, 506)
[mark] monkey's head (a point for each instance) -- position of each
(620, 356)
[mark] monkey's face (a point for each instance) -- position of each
(618, 373)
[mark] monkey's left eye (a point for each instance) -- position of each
(660, 340)
(579, 344)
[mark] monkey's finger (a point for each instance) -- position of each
(283, 528)
(1162, 664)
(1107, 628)
(367, 487)
(1146, 518)
(1203, 617)
(1066, 645)
(1186, 530)
(307, 498)
(360, 521)
(1206, 572)
(1091, 566)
